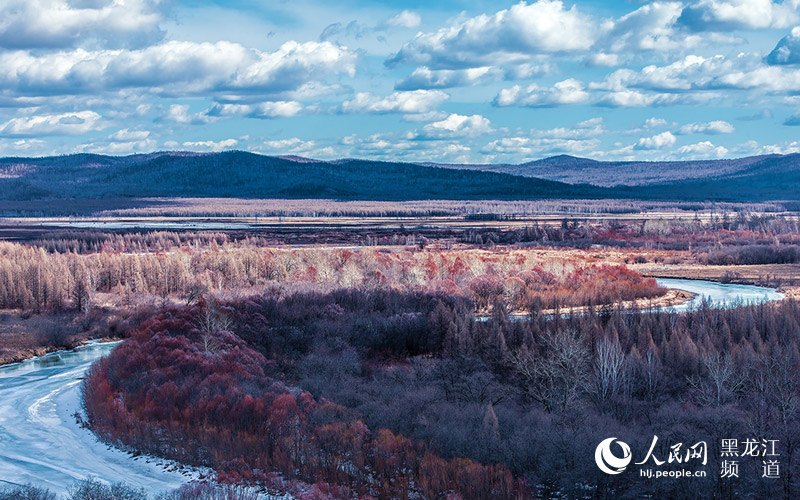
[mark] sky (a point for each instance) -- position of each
(444, 81)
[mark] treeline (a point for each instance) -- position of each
(184, 389)
(238, 207)
(534, 397)
(752, 254)
(33, 279)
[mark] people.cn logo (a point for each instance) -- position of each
(607, 461)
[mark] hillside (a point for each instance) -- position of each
(247, 175)
(574, 170)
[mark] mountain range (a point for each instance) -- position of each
(249, 175)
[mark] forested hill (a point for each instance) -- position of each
(248, 175)
(574, 170)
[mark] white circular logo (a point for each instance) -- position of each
(607, 460)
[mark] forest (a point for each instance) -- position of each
(468, 364)
(31, 278)
(389, 394)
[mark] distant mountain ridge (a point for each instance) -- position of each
(249, 175)
(576, 170)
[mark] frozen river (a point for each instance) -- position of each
(720, 294)
(41, 443)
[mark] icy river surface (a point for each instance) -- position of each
(41, 443)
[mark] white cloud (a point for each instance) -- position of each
(405, 19)
(788, 49)
(211, 145)
(123, 141)
(407, 102)
(703, 149)
(63, 23)
(592, 127)
(176, 68)
(568, 91)
(528, 147)
(277, 109)
(721, 15)
(655, 123)
(694, 80)
(76, 123)
(179, 113)
(425, 78)
(509, 35)
(129, 135)
(298, 147)
(458, 125)
(604, 59)
(268, 109)
(19, 147)
(650, 27)
(712, 127)
(658, 141)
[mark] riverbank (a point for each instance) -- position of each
(673, 297)
(24, 335)
(769, 275)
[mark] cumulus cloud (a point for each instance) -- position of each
(649, 28)
(703, 149)
(516, 36)
(296, 146)
(64, 23)
(407, 102)
(722, 15)
(509, 35)
(175, 68)
(179, 113)
(694, 79)
(457, 125)
(655, 123)
(658, 141)
(425, 78)
(568, 91)
(27, 147)
(211, 145)
(405, 19)
(268, 109)
(528, 147)
(583, 130)
(129, 135)
(76, 123)
(712, 127)
(123, 141)
(788, 49)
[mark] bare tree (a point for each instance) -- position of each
(194, 292)
(210, 323)
(611, 374)
(558, 376)
(721, 381)
(80, 295)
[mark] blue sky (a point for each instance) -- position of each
(476, 81)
